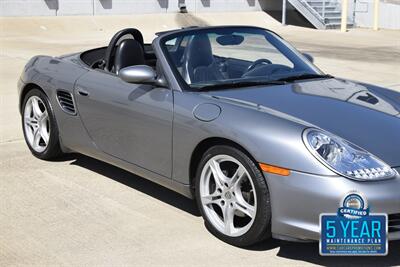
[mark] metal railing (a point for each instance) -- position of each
(306, 10)
(315, 12)
(322, 14)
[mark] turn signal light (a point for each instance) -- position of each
(274, 169)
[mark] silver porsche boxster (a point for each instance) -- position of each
(232, 116)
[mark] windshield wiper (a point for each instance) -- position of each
(304, 76)
(238, 84)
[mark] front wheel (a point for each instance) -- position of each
(233, 197)
(39, 126)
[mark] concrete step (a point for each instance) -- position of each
(320, 4)
(333, 15)
(333, 19)
(329, 22)
(321, 1)
(331, 26)
(326, 7)
(331, 12)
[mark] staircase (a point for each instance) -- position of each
(323, 14)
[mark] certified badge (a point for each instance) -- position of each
(353, 230)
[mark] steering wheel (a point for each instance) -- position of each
(269, 71)
(107, 61)
(258, 62)
(97, 64)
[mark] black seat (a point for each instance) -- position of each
(198, 61)
(128, 53)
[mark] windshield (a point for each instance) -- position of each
(233, 55)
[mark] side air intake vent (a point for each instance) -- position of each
(66, 102)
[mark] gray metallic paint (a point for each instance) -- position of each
(374, 127)
(278, 141)
(153, 132)
(128, 121)
(298, 200)
(138, 74)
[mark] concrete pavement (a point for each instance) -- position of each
(79, 211)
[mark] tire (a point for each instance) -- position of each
(211, 201)
(48, 146)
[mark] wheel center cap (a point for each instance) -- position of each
(228, 195)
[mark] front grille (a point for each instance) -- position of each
(394, 222)
(66, 101)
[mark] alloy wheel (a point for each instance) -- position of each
(228, 195)
(36, 124)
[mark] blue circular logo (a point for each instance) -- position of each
(354, 206)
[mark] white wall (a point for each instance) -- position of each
(28, 7)
(104, 7)
(389, 14)
(226, 5)
(75, 7)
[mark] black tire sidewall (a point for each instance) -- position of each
(260, 228)
(53, 148)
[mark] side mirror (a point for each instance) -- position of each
(141, 74)
(309, 57)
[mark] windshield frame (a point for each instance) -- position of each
(163, 39)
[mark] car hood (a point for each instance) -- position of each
(369, 118)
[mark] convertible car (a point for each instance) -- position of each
(232, 116)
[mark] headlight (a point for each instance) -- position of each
(345, 158)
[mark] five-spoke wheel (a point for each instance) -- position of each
(39, 125)
(228, 195)
(233, 197)
(36, 124)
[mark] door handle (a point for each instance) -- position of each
(82, 92)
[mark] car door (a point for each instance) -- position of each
(132, 122)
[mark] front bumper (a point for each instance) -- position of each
(298, 200)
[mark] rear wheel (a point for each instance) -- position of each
(233, 197)
(39, 126)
